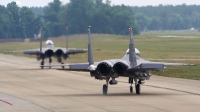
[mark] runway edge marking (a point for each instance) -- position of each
(6, 102)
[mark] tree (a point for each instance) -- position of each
(175, 22)
(51, 13)
(164, 20)
(13, 13)
(4, 23)
(28, 22)
(123, 19)
(154, 24)
(78, 15)
(101, 22)
(142, 20)
(16, 22)
(99, 3)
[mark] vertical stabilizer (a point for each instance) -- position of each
(90, 54)
(40, 39)
(132, 54)
(66, 39)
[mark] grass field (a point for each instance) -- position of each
(152, 45)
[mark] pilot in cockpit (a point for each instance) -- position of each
(137, 52)
(49, 44)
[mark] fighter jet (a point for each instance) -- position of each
(50, 51)
(131, 66)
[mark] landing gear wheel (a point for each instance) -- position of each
(105, 89)
(63, 67)
(137, 88)
(50, 60)
(131, 89)
(42, 63)
(59, 60)
(139, 82)
(130, 80)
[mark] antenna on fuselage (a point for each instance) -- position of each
(132, 54)
(90, 54)
(40, 39)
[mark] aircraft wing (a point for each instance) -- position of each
(32, 52)
(155, 66)
(146, 67)
(75, 66)
(173, 64)
(76, 51)
(72, 50)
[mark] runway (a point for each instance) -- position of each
(24, 87)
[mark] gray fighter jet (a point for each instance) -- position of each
(131, 66)
(50, 51)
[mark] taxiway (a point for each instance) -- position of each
(24, 87)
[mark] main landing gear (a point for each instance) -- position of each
(105, 86)
(137, 88)
(60, 61)
(63, 67)
(137, 85)
(50, 60)
(42, 64)
(113, 81)
(131, 82)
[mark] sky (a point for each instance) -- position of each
(30, 3)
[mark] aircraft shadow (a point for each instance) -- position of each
(113, 95)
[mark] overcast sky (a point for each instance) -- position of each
(116, 2)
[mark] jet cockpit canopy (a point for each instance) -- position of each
(49, 44)
(137, 52)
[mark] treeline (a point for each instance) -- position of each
(78, 14)
(167, 17)
(16, 22)
(25, 22)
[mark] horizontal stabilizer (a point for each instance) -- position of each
(32, 52)
(81, 67)
(146, 67)
(173, 64)
(76, 51)
(178, 64)
(152, 66)
(19, 51)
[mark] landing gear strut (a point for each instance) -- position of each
(105, 86)
(63, 67)
(131, 82)
(60, 61)
(137, 86)
(50, 60)
(42, 64)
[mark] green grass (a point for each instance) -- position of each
(185, 72)
(151, 45)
